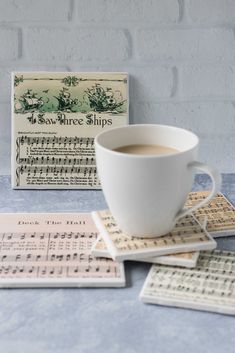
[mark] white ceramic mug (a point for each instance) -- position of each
(146, 193)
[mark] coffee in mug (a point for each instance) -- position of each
(146, 149)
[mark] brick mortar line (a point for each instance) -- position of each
(126, 65)
(151, 25)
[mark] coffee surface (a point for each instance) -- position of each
(146, 149)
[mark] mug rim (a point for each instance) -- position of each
(132, 155)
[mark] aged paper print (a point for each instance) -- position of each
(53, 250)
(55, 117)
(210, 286)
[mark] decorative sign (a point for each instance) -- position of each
(218, 214)
(210, 286)
(53, 250)
(188, 259)
(55, 119)
(187, 236)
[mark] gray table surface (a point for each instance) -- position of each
(103, 320)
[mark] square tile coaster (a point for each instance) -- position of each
(209, 287)
(55, 118)
(218, 214)
(53, 250)
(189, 259)
(188, 235)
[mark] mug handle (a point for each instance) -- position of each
(216, 182)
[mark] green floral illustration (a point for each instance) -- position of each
(17, 80)
(55, 93)
(71, 81)
(103, 100)
(66, 103)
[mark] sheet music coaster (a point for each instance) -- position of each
(188, 259)
(218, 214)
(210, 286)
(53, 250)
(187, 236)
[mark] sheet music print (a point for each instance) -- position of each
(56, 117)
(219, 213)
(39, 160)
(189, 259)
(53, 250)
(210, 286)
(187, 236)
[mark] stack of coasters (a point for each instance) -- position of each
(187, 236)
(207, 281)
(218, 214)
(210, 286)
(188, 259)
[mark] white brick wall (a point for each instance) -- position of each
(190, 115)
(186, 44)
(10, 39)
(34, 10)
(208, 81)
(212, 11)
(180, 55)
(158, 11)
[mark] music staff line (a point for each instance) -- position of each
(66, 161)
(66, 270)
(58, 258)
(194, 279)
(45, 236)
(66, 141)
(85, 171)
(186, 291)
